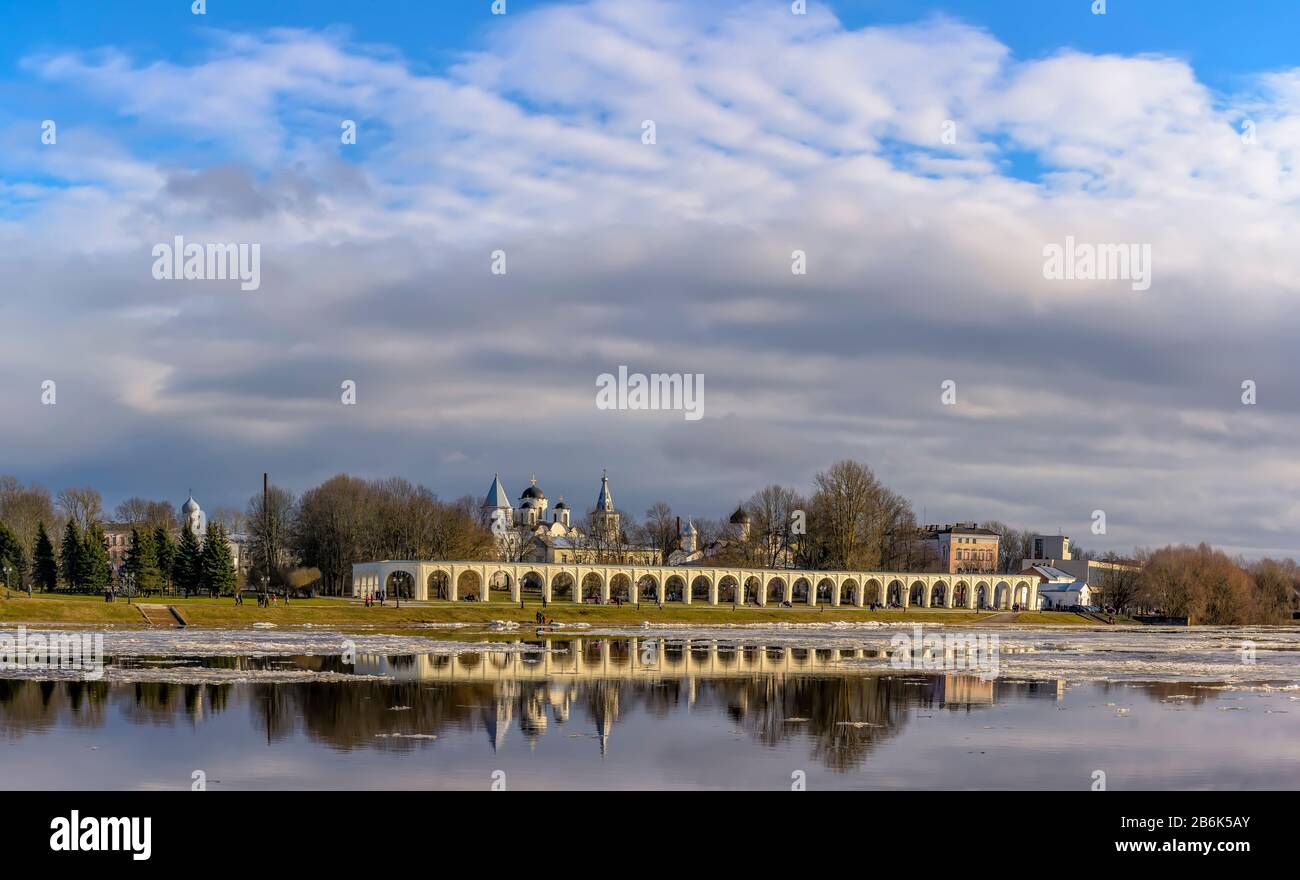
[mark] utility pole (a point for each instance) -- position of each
(266, 531)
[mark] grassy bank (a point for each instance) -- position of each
(71, 610)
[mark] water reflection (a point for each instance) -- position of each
(577, 687)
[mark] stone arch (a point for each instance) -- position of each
(620, 589)
(531, 582)
(825, 590)
(399, 584)
(469, 584)
(727, 590)
(501, 580)
(1022, 592)
(875, 592)
(982, 597)
(960, 594)
(563, 587)
(647, 588)
(851, 591)
(916, 593)
(675, 588)
(799, 592)
(895, 594)
(438, 585)
(753, 591)
(593, 587)
(701, 588)
(776, 590)
(1002, 594)
(939, 595)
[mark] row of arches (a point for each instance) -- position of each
(689, 588)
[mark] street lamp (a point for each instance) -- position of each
(7, 570)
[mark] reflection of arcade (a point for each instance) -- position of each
(837, 700)
(622, 658)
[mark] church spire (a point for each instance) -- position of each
(605, 501)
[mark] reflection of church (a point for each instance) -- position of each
(525, 534)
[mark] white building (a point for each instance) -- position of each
(525, 533)
(1059, 589)
(1054, 551)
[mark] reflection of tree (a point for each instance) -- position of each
(846, 715)
(35, 707)
(843, 716)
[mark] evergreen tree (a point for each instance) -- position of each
(142, 562)
(187, 571)
(46, 567)
(218, 564)
(12, 557)
(165, 552)
(70, 554)
(95, 564)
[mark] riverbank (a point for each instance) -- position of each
(205, 612)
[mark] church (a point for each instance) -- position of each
(525, 533)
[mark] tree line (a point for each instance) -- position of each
(155, 561)
(847, 519)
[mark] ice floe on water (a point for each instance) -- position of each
(262, 655)
(1237, 658)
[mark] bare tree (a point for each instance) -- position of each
(772, 519)
(1120, 582)
(270, 522)
(143, 512)
(660, 529)
(230, 519)
(328, 531)
(23, 509)
(83, 506)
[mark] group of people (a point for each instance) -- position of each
(264, 600)
(373, 599)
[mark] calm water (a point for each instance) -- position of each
(585, 714)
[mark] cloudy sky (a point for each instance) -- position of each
(774, 132)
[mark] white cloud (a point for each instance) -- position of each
(774, 132)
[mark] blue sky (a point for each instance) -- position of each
(1222, 40)
(523, 132)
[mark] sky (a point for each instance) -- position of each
(922, 155)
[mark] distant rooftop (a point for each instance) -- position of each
(959, 529)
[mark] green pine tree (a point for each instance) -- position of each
(142, 562)
(165, 552)
(70, 554)
(46, 567)
(13, 558)
(218, 562)
(98, 572)
(187, 566)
